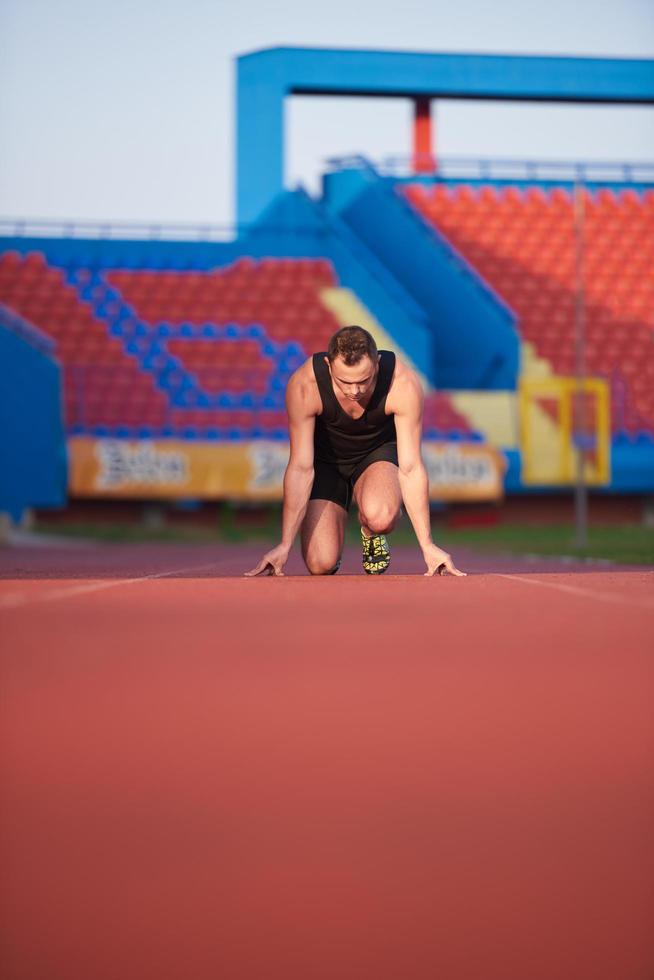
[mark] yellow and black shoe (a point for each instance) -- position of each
(376, 555)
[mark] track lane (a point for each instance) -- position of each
(343, 777)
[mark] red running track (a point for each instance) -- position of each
(324, 779)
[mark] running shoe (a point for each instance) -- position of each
(376, 555)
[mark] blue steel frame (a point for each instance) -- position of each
(265, 78)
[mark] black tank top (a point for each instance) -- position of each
(339, 438)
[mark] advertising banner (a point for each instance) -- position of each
(169, 468)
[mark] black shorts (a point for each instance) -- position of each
(335, 481)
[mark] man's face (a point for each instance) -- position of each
(355, 381)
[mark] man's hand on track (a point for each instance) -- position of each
(272, 563)
(439, 562)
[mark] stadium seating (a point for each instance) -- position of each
(103, 386)
(522, 241)
(442, 420)
(183, 353)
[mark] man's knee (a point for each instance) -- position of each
(379, 517)
(321, 564)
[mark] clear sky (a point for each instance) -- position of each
(124, 110)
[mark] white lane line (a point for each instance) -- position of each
(618, 600)
(14, 599)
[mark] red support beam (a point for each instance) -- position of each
(424, 159)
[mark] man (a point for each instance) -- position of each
(355, 424)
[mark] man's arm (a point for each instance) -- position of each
(298, 478)
(414, 484)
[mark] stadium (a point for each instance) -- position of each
(209, 776)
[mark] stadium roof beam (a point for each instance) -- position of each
(265, 78)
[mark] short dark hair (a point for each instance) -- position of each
(352, 344)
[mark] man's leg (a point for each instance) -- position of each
(323, 533)
(377, 493)
(378, 497)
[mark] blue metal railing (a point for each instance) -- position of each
(481, 168)
(632, 173)
(115, 230)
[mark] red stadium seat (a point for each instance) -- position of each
(531, 265)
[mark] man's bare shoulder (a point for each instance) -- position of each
(302, 390)
(406, 389)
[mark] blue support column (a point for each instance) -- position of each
(259, 138)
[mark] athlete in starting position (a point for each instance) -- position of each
(355, 422)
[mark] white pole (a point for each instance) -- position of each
(579, 413)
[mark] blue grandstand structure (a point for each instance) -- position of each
(467, 270)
